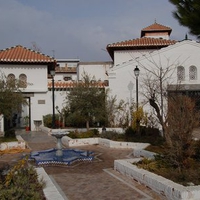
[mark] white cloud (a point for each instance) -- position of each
(80, 28)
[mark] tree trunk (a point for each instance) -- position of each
(87, 125)
(160, 118)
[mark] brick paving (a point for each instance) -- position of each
(88, 180)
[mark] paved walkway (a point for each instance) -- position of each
(94, 180)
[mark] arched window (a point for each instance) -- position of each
(193, 73)
(181, 73)
(11, 80)
(23, 80)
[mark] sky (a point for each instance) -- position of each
(81, 29)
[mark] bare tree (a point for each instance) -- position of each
(117, 112)
(183, 117)
(157, 78)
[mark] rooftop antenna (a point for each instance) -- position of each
(53, 53)
(186, 36)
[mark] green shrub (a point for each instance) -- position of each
(95, 132)
(10, 134)
(87, 134)
(129, 134)
(112, 135)
(146, 135)
(21, 182)
(197, 150)
(47, 120)
(149, 131)
(73, 134)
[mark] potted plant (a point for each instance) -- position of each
(26, 122)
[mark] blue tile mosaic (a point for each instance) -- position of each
(49, 157)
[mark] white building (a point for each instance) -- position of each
(96, 70)
(33, 69)
(151, 53)
(153, 50)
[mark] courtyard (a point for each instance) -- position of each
(87, 180)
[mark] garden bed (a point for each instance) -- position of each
(157, 183)
(19, 144)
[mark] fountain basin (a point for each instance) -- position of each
(69, 156)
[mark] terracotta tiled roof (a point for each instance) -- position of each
(22, 54)
(143, 42)
(155, 28)
(139, 43)
(70, 84)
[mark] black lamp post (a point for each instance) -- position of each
(53, 98)
(137, 73)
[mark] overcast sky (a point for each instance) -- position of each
(81, 28)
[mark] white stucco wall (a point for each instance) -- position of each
(124, 56)
(96, 69)
(122, 79)
(39, 110)
(36, 76)
(36, 88)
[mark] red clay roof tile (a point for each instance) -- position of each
(143, 42)
(22, 54)
(156, 27)
(139, 43)
(70, 84)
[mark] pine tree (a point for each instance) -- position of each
(187, 13)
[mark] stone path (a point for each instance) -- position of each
(90, 180)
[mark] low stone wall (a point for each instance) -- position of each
(20, 144)
(157, 183)
(50, 190)
(143, 153)
(117, 130)
(45, 129)
(124, 145)
(67, 141)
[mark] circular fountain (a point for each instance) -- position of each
(60, 156)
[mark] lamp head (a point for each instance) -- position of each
(136, 71)
(52, 72)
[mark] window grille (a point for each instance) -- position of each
(181, 73)
(11, 80)
(193, 73)
(22, 80)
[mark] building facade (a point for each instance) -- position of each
(153, 52)
(174, 63)
(32, 68)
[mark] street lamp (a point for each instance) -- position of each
(137, 73)
(52, 72)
